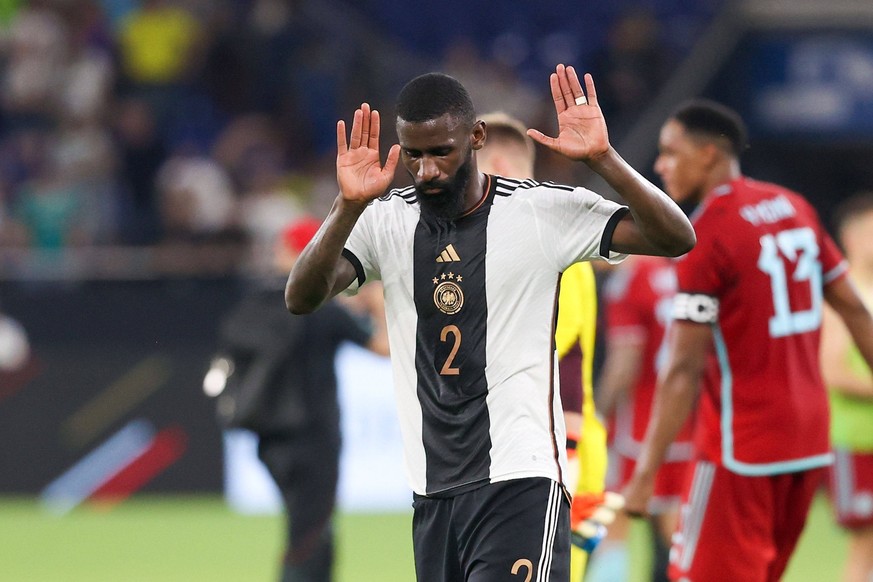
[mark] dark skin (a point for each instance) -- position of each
(432, 151)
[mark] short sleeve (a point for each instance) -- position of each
(360, 251)
(833, 263)
(700, 270)
(702, 274)
(578, 225)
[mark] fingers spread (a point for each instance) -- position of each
(557, 96)
(391, 162)
(575, 86)
(589, 88)
(373, 142)
(566, 88)
(542, 138)
(341, 145)
(366, 121)
(355, 141)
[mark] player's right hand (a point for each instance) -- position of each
(637, 494)
(359, 172)
(582, 133)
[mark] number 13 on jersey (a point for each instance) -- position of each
(798, 246)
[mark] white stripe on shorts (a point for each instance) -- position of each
(844, 472)
(697, 502)
(550, 527)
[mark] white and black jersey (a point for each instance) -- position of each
(471, 308)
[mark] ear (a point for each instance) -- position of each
(711, 154)
(477, 136)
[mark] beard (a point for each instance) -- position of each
(448, 204)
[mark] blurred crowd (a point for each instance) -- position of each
(208, 124)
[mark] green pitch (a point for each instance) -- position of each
(199, 539)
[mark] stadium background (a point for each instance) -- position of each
(149, 149)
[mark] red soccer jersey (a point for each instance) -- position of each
(639, 297)
(757, 276)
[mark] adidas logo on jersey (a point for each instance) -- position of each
(449, 255)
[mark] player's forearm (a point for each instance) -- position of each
(315, 276)
(674, 399)
(851, 385)
(660, 221)
(837, 371)
(861, 329)
(847, 303)
(620, 372)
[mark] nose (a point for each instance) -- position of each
(427, 169)
(659, 165)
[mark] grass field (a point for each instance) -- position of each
(194, 539)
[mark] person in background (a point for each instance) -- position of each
(850, 385)
(638, 299)
(282, 385)
(509, 152)
(746, 327)
(471, 266)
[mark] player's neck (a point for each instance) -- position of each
(724, 173)
(475, 191)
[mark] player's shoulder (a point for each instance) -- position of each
(514, 187)
(762, 202)
(397, 196)
(749, 200)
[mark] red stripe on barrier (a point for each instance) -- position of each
(166, 448)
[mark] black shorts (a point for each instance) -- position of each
(507, 531)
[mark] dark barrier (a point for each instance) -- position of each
(111, 401)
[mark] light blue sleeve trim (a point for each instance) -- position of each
(727, 436)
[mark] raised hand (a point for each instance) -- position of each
(582, 131)
(359, 172)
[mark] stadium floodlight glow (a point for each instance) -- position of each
(215, 380)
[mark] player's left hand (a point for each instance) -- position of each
(582, 131)
(590, 515)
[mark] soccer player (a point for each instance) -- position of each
(746, 325)
(638, 299)
(509, 152)
(850, 385)
(470, 266)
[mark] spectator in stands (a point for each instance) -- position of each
(159, 44)
(141, 153)
(53, 211)
(31, 80)
(199, 211)
(633, 64)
